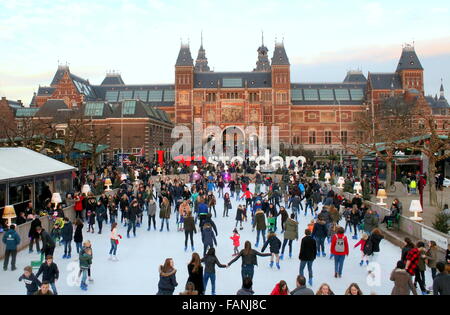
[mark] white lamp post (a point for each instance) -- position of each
(341, 182)
(327, 177)
(85, 189)
(108, 184)
(416, 207)
(316, 173)
(357, 187)
(56, 199)
(381, 195)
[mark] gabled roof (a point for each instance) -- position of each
(51, 108)
(113, 79)
(184, 57)
(45, 91)
(214, 80)
(26, 112)
(280, 57)
(439, 103)
(355, 77)
(18, 163)
(385, 81)
(409, 60)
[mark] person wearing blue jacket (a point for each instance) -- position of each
(67, 236)
(11, 239)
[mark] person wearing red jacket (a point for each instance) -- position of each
(248, 198)
(339, 248)
(236, 242)
(280, 289)
(78, 207)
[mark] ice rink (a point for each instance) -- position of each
(136, 272)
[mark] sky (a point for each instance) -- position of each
(141, 38)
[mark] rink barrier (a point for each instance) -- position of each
(413, 229)
(23, 230)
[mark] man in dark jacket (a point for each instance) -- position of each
(48, 245)
(441, 284)
(66, 235)
(208, 220)
(301, 287)
(133, 211)
(308, 251)
(34, 235)
(11, 239)
(208, 238)
(260, 224)
(320, 233)
(50, 272)
(246, 287)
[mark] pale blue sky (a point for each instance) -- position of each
(141, 39)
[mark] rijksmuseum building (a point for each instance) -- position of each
(316, 116)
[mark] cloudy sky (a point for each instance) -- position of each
(141, 38)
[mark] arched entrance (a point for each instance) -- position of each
(234, 141)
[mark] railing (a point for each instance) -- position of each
(415, 229)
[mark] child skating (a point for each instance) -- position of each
(275, 245)
(362, 243)
(236, 242)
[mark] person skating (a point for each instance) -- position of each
(78, 235)
(249, 260)
(320, 232)
(133, 212)
(151, 212)
(364, 251)
(208, 238)
(290, 234)
(85, 263)
(164, 213)
(260, 224)
(67, 236)
(236, 241)
(32, 283)
(11, 239)
(210, 261)
(50, 273)
(339, 249)
(226, 205)
(275, 245)
(308, 251)
(114, 239)
(167, 278)
(239, 216)
(195, 270)
(90, 214)
(33, 235)
(403, 284)
(189, 230)
(48, 244)
(100, 213)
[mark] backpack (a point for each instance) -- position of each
(340, 245)
(368, 247)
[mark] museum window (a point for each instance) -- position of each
(210, 97)
(312, 137)
(254, 97)
(327, 137)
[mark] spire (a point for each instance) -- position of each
(184, 57)
(280, 57)
(442, 89)
(201, 64)
(409, 60)
(263, 63)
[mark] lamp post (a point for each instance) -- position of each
(416, 207)
(56, 199)
(381, 195)
(8, 214)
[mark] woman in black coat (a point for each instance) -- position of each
(195, 270)
(167, 279)
(78, 235)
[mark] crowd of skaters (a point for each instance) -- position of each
(273, 205)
